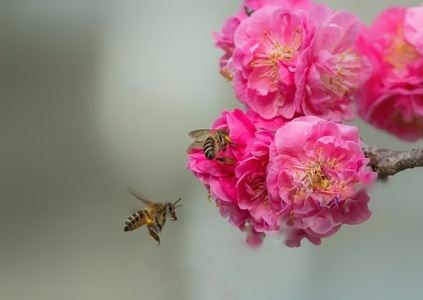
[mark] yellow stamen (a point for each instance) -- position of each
(401, 52)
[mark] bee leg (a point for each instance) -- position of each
(152, 230)
(225, 160)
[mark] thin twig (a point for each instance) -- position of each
(389, 162)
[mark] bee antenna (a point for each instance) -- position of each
(177, 202)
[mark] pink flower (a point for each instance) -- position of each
(239, 188)
(225, 40)
(219, 177)
(330, 70)
(392, 98)
(251, 174)
(317, 179)
(267, 46)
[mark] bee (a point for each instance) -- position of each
(212, 142)
(154, 215)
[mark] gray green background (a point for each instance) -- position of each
(99, 95)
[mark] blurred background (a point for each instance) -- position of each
(96, 96)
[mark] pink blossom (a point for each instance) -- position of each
(317, 179)
(392, 98)
(225, 40)
(330, 70)
(219, 177)
(239, 188)
(266, 50)
(251, 173)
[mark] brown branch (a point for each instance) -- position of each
(389, 162)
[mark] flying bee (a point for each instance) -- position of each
(154, 215)
(212, 142)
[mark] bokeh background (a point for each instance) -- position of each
(96, 96)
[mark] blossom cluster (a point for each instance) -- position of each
(292, 58)
(392, 98)
(287, 165)
(304, 180)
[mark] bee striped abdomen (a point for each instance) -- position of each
(210, 148)
(136, 220)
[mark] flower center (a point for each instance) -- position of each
(400, 52)
(257, 187)
(339, 78)
(318, 179)
(276, 53)
(258, 190)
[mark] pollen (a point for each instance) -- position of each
(319, 180)
(339, 79)
(401, 52)
(276, 53)
(266, 202)
(314, 178)
(258, 191)
(226, 73)
(291, 218)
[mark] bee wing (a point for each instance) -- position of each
(136, 195)
(199, 133)
(195, 145)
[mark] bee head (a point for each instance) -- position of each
(171, 208)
